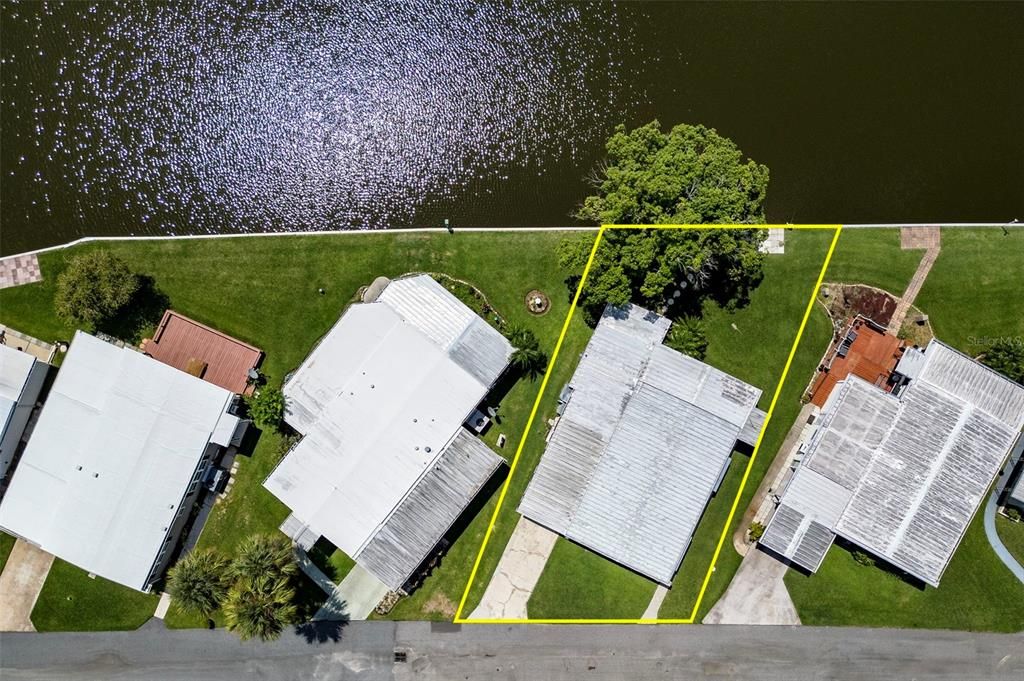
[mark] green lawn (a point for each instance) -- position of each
(578, 583)
(873, 257)
(1012, 535)
(264, 291)
(6, 545)
(71, 601)
(974, 291)
(977, 593)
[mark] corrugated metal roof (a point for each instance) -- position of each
(647, 494)
(802, 532)
(380, 400)
(974, 383)
(639, 447)
(420, 521)
(115, 448)
(916, 468)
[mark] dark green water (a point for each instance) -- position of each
(159, 118)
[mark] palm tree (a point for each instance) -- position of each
(265, 554)
(260, 607)
(527, 357)
(199, 581)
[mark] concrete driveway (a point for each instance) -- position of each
(757, 594)
(517, 573)
(20, 584)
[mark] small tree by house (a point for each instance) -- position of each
(93, 288)
(266, 407)
(756, 531)
(265, 554)
(862, 558)
(199, 582)
(1006, 356)
(688, 336)
(527, 358)
(260, 607)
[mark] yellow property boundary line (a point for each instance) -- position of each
(459, 619)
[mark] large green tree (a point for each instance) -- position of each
(668, 270)
(93, 288)
(688, 175)
(199, 581)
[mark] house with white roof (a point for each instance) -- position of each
(110, 474)
(21, 380)
(385, 465)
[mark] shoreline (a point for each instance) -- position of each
(440, 230)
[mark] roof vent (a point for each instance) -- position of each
(427, 450)
(95, 475)
(78, 468)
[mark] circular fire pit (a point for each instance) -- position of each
(537, 302)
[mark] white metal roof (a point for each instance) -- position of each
(915, 468)
(15, 367)
(638, 450)
(379, 400)
(116, 445)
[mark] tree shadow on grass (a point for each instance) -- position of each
(140, 315)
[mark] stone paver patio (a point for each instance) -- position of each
(19, 269)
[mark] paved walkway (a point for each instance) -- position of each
(353, 599)
(19, 269)
(517, 573)
(997, 544)
(756, 595)
(929, 238)
(20, 584)
(762, 504)
(651, 613)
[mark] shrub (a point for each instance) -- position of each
(93, 288)
(688, 336)
(756, 531)
(265, 554)
(1007, 357)
(1013, 514)
(260, 607)
(199, 581)
(862, 558)
(266, 407)
(527, 357)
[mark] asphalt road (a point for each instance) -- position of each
(365, 650)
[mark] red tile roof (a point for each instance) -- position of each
(872, 356)
(186, 344)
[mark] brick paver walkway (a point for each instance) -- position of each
(19, 269)
(929, 238)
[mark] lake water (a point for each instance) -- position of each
(132, 118)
